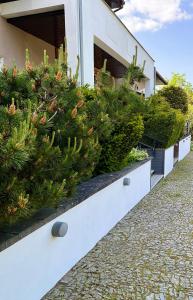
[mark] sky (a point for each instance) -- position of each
(165, 29)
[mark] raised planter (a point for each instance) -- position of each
(184, 147)
(168, 160)
(33, 261)
(162, 160)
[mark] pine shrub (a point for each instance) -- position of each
(48, 149)
(30, 170)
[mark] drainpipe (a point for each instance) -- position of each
(80, 17)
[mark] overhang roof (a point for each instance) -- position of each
(49, 26)
(160, 80)
(111, 3)
(5, 1)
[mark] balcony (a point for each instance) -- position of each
(97, 36)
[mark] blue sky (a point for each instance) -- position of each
(165, 28)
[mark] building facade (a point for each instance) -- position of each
(91, 29)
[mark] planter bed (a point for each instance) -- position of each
(32, 260)
(162, 160)
(184, 147)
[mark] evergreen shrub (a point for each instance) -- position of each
(49, 136)
(125, 110)
(176, 97)
(164, 126)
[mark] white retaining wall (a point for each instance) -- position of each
(169, 160)
(184, 147)
(32, 266)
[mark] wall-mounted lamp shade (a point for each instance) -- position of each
(126, 181)
(59, 229)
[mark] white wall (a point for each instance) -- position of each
(105, 29)
(32, 266)
(184, 147)
(13, 43)
(13, 46)
(100, 26)
(168, 160)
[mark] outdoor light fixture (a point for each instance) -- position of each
(59, 229)
(114, 4)
(126, 181)
(117, 4)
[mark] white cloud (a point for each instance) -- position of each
(142, 15)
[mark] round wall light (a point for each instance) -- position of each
(126, 181)
(59, 229)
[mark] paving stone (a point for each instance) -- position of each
(148, 255)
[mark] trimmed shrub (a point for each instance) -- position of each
(125, 109)
(176, 97)
(164, 126)
(126, 135)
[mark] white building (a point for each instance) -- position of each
(91, 28)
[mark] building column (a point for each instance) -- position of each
(71, 12)
(149, 87)
(86, 45)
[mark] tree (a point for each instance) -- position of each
(164, 126)
(176, 97)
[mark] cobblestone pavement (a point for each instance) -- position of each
(148, 255)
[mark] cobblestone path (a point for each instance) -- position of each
(148, 255)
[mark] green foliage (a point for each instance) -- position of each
(164, 126)
(126, 135)
(125, 109)
(59, 135)
(176, 97)
(134, 72)
(55, 134)
(136, 155)
(30, 169)
(190, 118)
(179, 80)
(104, 78)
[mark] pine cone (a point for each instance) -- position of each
(80, 103)
(90, 131)
(43, 120)
(53, 106)
(74, 113)
(14, 72)
(28, 67)
(34, 118)
(58, 76)
(12, 110)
